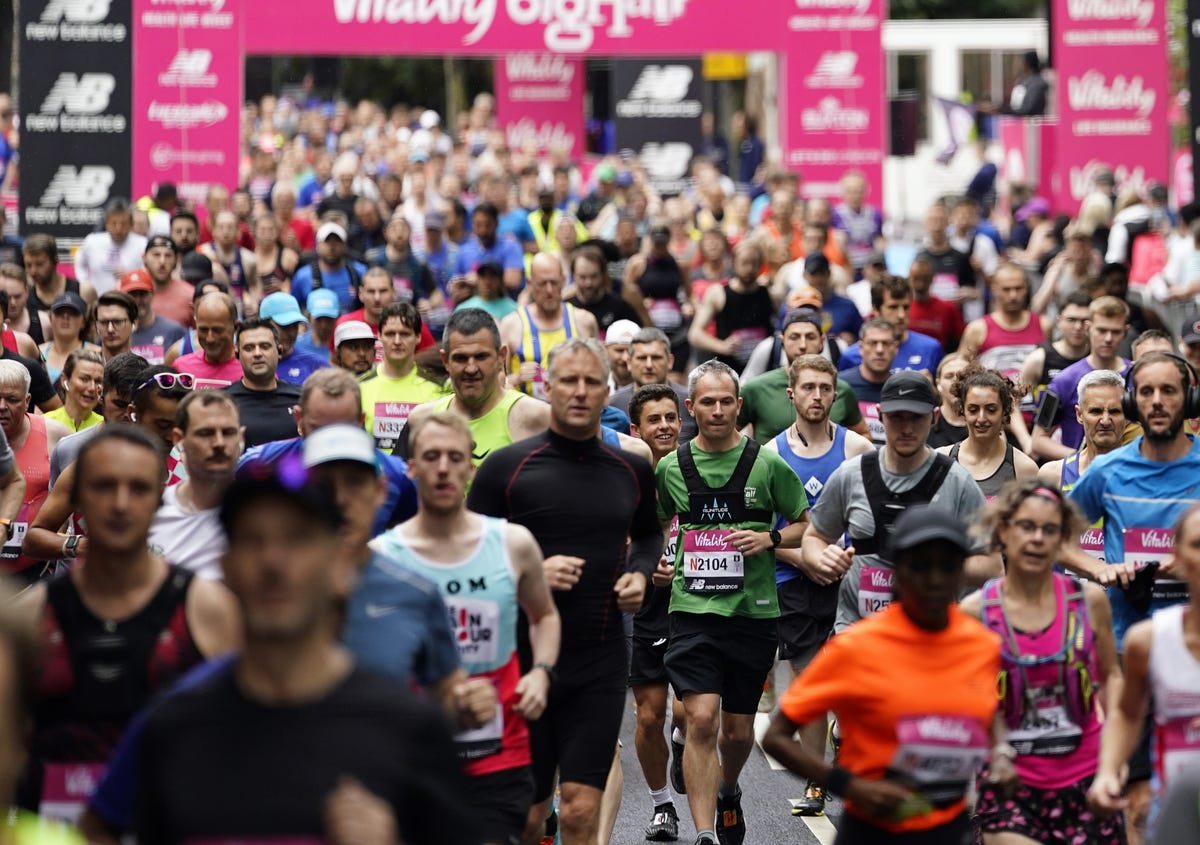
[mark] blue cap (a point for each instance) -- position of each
(282, 309)
(323, 302)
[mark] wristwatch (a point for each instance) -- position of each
(550, 671)
(70, 545)
(776, 538)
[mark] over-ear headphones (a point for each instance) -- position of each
(1191, 385)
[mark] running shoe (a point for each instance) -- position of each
(664, 824)
(704, 839)
(813, 802)
(677, 783)
(731, 827)
(766, 702)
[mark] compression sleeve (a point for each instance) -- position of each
(645, 534)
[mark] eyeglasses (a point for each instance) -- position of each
(113, 324)
(1050, 530)
(168, 380)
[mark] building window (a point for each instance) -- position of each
(989, 74)
(908, 76)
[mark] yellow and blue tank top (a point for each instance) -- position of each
(536, 344)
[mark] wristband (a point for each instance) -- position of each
(549, 670)
(838, 781)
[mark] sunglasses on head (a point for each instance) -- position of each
(168, 380)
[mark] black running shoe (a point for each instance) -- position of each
(664, 824)
(677, 783)
(731, 827)
(813, 802)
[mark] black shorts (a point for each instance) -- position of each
(727, 655)
(806, 613)
(854, 831)
(647, 665)
(500, 803)
(577, 735)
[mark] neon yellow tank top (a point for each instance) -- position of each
(491, 430)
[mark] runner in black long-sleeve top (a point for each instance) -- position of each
(581, 497)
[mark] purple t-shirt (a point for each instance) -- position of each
(1066, 387)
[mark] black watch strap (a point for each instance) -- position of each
(776, 538)
(550, 671)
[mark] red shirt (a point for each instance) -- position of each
(306, 237)
(939, 319)
(425, 342)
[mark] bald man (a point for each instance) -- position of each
(215, 364)
(533, 330)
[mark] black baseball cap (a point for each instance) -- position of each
(816, 263)
(196, 267)
(1189, 332)
(909, 391)
(490, 266)
(69, 300)
(161, 240)
(922, 524)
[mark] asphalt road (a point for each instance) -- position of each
(766, 788)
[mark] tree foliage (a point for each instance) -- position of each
(941, 9)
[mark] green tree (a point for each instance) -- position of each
(939, 9)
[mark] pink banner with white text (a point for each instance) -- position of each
(187, 91)
(539, 102)
(493, 27)
(1113, 93)
(835, 107)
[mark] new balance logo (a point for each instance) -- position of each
(76, 11)
(189, 69)
(665, 83)
(88, 93)
(835, 69)
(666, 161)
(85, 187)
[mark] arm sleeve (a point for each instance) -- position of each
(645, 534)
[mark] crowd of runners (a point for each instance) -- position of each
(363, 503)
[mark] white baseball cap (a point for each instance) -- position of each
(340, 442)
(622, 331)
(352, 330)
(329, 229)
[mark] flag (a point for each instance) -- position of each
(960, 119)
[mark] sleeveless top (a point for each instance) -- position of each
(1175, 686)
(661, 282)
(480, 593)
(746, 318)
(33, 459)
(40, 304)
(1054, 364)
(277, 274)
(813, 473)
(536, 344)
(1092, 538)
(1005, 350)
(490, 431)
(1050, 712)
(96, 675)
(1004, 473)
(235, 271)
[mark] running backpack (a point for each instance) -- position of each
(1075, 657)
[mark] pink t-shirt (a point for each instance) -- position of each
(209, 376)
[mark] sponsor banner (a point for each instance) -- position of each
(1111, 64)
(539, 100)
(187, 87)
(75, 59)
(657, 109)
(494, 27)
(836, 110)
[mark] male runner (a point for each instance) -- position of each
(485, 569)
(724, 608)
(550, 483)
(879, 340)
(394, 387)
(1045, 363)
(650, 362)
(265, 402)
(295, 362)
(1003, 339)
(891, 299)
(215, 364)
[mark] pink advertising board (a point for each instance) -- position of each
(835, 106)
(539, 100)
(187, 91)
(492, 27)
(1113, 94)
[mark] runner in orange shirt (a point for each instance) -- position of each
(914, 690)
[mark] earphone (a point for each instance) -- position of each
(1191, 385)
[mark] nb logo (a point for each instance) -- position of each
(668, 83)
(88, 93)
(76, 11)
(85, 187)
(668, 160)
(190, 62)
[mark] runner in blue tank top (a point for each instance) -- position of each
(813, 447)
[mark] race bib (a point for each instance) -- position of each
(672, 540)
(666, 314)
(1153, 545)
(945, 286)
(211, 383)
(482, 741)
(1049, 731)
(876, 585)
(870, 412)
(1092, 541)
(1179, 747)
(404, 289)
(938, 756)
(390, 418)
(154, 352)
(66, 788)
(746, 340)
(710, 565)
(537, 387)
(475, 624)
